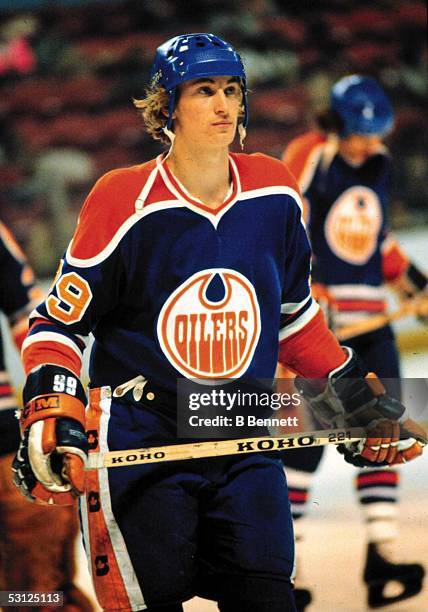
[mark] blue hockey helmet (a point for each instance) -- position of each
(193, 56)
(362, 105)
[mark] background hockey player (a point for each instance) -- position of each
(194, 234)
(343, 170)
(36, 542)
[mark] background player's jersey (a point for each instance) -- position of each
(354, 253)
(172, 288)
(18, 296)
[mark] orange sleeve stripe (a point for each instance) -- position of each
(41, 321)
(394, 262)
(10, 243)
(40, 353)
(19, 339)
(313, 351)
(19, 333)
(297, 153)
(358, 305)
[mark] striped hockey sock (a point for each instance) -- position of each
(377, 491)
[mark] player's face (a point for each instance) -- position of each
(207, 111)
(357, 148)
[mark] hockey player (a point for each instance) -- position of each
(188, 265)
(36, 542)
(343, 172)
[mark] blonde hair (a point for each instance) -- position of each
(154, 111)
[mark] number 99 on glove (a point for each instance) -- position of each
(49, 465)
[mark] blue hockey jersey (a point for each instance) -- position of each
(170, 287)
(18, 296)
(346, 211)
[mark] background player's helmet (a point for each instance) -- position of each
(362, 105)
(191, 56)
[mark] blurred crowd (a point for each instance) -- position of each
(69, 71)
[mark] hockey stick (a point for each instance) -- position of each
(409, 307)
(199, 450)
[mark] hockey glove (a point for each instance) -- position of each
(409, 445)
(353, 397)
(422, 310)
(49, 465)
(413, 285)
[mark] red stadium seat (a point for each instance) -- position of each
(287, 106)
(412, 12)
(294, 31)
(50, 96)
(367, 55)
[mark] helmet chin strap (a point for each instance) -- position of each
(167, 129)
(242, 134)
(169, 133)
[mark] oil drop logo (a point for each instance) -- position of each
(210, 339)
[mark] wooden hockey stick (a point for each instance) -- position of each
(409, 307)
(199, 450)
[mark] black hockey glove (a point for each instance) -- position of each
(412, 287)
(353, 397)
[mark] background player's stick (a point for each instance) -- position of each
(413, 307)
(199, 450)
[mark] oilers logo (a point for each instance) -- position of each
(352, 225)
(208, 338)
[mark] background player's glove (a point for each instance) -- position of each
(413, 285)
(49, 465)
(353, 397)
(422, 308)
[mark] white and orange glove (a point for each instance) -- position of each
(49, 465)
(354, 398)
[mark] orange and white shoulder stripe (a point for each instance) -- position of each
(302, 156)
(118, 201)
(262, 175)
